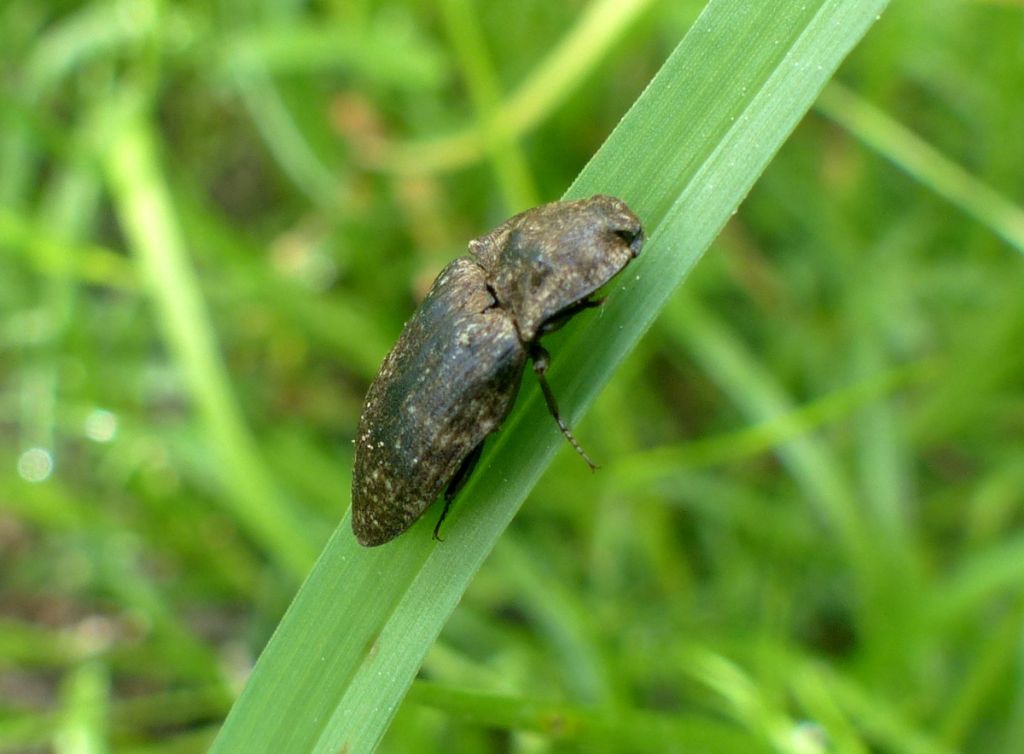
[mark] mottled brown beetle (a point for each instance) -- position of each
(453, 375)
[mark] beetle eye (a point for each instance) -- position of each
(633, 237)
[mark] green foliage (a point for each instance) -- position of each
(214, 219)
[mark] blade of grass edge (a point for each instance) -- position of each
(684, 157)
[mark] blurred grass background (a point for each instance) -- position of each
(813, 466)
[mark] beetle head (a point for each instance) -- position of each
(543, 261)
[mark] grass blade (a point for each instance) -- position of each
(684, 157)
(918, 158)
(144, 207)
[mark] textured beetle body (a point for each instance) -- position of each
(454, 372)
(447, 384)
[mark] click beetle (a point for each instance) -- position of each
(452, 376)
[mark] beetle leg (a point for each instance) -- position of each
(457, 483)
(541, 358)
(558, 320)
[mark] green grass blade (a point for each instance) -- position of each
(925, 163)
(142, 201)
(684, 157)
(626, 729)
(551, 81)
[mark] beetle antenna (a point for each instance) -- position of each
(541, 358)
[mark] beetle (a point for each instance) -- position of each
(454, 372)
